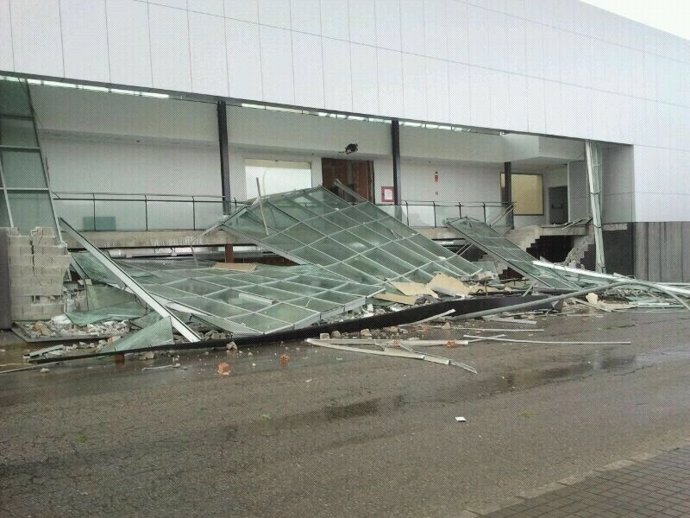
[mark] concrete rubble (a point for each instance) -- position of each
(37, 266)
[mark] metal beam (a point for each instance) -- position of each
(395, 151)
(594, 176)
(507, 191)
(5, 300)
(128, 281)
(224, 156)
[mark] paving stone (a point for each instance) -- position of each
(640, 487)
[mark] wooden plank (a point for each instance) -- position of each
(408, 300)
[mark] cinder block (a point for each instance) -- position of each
(19, 250)
(21, 260)
(50, 250)
(17, 240)
(54, 261)
(20, 271)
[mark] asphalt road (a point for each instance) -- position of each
(341, 434)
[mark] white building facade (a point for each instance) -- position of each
(531, 79)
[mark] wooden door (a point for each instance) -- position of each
(358, 175)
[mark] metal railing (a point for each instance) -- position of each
(149, 212)
(434, 214)
(118, 211)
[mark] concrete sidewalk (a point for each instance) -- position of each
(643, 486)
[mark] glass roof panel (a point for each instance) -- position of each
(490, 241)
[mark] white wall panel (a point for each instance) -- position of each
(170, 59)
(245, 10)
(6, 56)
(437, 102)
(32, 54)
(308, 70)
(128, 43)
(390, 78)
(388, 24)
(177, 4)
(436, 28)
(553, 108)
(478, 36)
(82, 112)
(534, 51)
(496, 50)
(414, 86)
(551, 56)
(305, 16)
(536, 115)
(268, 130)
(458, 31)
(85, 39)
(500, 99)
(577, 108)
(365, 90)
(412, 26)
(337, 77)
(515, 45)
(276, 65)
(208, 52)
(139, 168)
(459, 93)
(517, 106)
(335, 18)
(456, 182)
(244, 60)
(214, 7)
(275, 13)
(363, 21)
(480, 97)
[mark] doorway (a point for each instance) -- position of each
(558, 205)
(358, 175)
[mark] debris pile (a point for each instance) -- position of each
(61, 328)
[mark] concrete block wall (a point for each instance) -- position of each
(37, 266)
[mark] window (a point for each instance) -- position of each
(528, 194)
(276, 176)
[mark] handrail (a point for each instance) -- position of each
(423, 213)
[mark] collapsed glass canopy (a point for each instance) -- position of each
(487, 239)
(268, 299)
(358, 241)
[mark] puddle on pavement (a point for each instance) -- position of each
(523, 378)
(267, 425)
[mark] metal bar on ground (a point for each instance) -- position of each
(133, 285)
(545, 342)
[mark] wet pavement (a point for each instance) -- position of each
(340, 434)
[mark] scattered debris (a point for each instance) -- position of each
(407, 352)
(414, 289)
(284, 360)
(224, 369)
(407, 300)
(56, 350)
(44, 370)
(460, 419)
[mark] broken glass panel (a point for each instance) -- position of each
(159, 333)
(358, 241)
(484, 237)
(270, 298)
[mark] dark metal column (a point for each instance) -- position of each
(395, 149)
(507, 191)
(224, 156)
